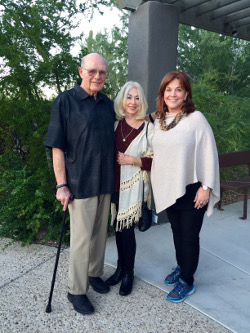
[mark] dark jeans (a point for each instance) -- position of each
(126, 247)
(186, 222)
(126, 243)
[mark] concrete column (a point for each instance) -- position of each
(152, 46)
(152, 50)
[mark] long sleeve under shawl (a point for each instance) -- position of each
(131, 182)
(184, 155)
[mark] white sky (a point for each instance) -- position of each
(99, 22)
(107, 20)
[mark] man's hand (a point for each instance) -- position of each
(63, 195)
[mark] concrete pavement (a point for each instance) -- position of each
(223, 277)
(220, 304)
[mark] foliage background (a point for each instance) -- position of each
(35, 45)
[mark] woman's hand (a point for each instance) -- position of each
(124, 159)
(201, 198)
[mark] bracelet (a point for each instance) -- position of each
(133, 161)
(62, 185)
(205, 187)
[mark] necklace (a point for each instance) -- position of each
(173, 123)
(124, 138)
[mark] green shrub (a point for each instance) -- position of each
(27, 205)
(229, 118)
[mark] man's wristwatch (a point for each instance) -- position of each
(205, 187)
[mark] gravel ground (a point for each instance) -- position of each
(231, 196)
(25, 279)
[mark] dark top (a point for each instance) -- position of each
(121, 146)
(83, 127)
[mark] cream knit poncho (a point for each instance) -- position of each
(184, 155)
(131, 182)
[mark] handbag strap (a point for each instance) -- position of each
(147, 130)
(142, 190)
(142, 178)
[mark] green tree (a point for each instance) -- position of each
(216, 61)
(36, 42)
(218, 67)
(228, 115)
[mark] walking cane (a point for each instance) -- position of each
(48, 308)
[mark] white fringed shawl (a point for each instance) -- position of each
(184, 155)
(131, 182)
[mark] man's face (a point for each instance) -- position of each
(93, 74)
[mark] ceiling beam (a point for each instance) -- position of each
(237, 16)
(208, 6)
(187, 5)
(232, 8)
(243, 22)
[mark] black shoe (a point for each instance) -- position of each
(99, 285)
(116, 277)
(81, 303)
(127, 283)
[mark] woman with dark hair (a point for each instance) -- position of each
(184, 175)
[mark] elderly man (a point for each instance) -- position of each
(81, 135)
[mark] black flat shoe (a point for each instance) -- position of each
(99, 285)
(127, 283)
(116, 277)
(81, 303)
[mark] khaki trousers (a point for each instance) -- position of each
(88, 235)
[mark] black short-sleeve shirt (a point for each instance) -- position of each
(83, 127)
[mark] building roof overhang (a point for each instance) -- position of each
(228, 17)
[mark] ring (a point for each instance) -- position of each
(201, 203)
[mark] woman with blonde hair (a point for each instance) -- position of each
(133, 158)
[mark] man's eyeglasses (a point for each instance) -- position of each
(93, 72)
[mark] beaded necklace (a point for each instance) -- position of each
(173, 123)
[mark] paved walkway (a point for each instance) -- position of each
(223, 277)
(221, 303)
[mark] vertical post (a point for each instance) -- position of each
(152, 46)
(152, 50)
(244, 205)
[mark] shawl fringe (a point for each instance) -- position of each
(133, 214)
(134, 179)
(126, 219)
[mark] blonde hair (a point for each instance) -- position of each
(120, 100)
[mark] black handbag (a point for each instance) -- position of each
(145, 220)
